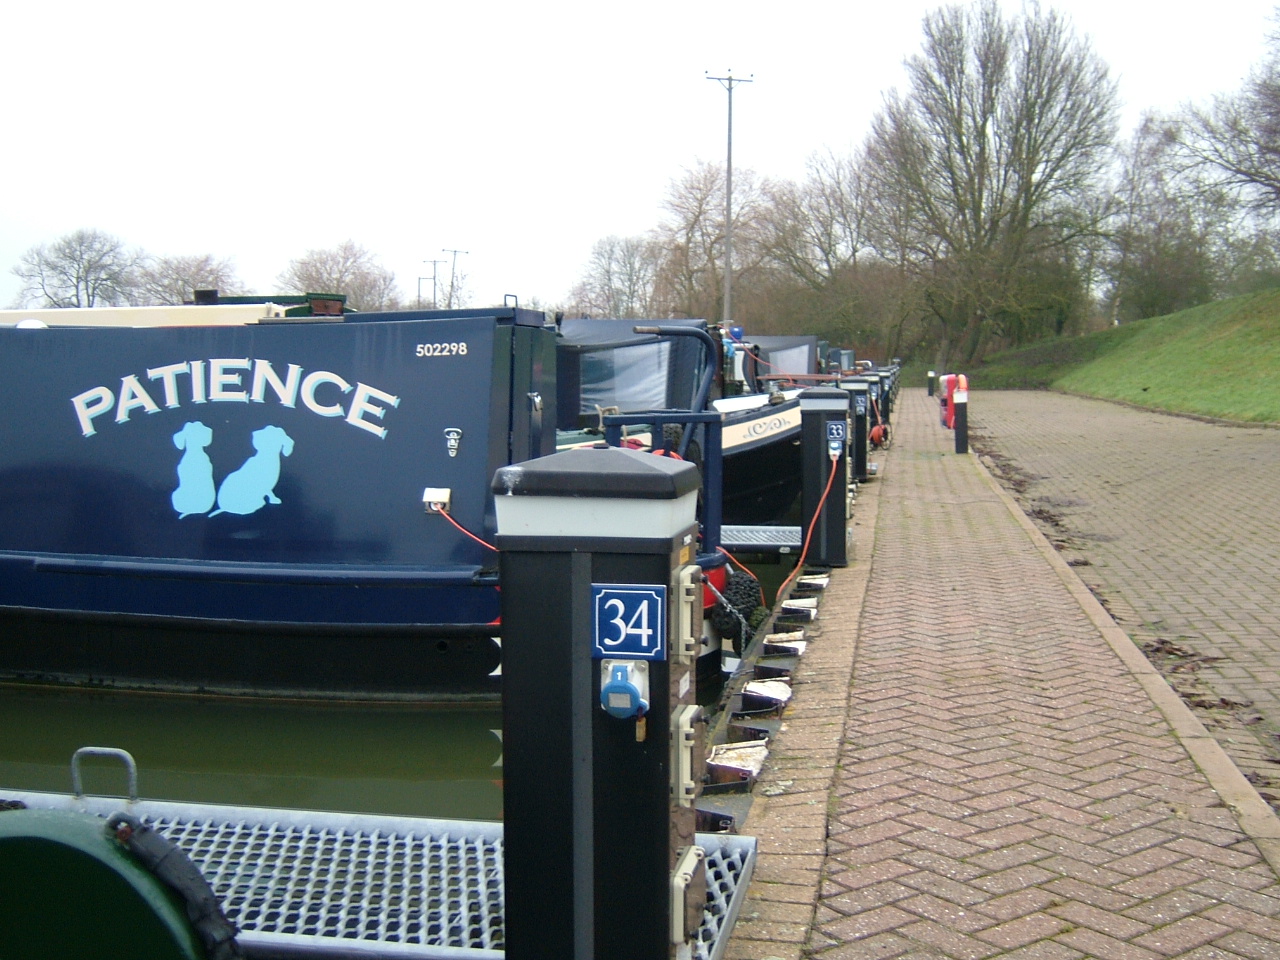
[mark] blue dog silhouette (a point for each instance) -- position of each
(248, 489)
(195, 492)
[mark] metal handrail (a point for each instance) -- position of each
(712, 459)
(131, 767)
(708, 373)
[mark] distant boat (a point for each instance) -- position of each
(610, 370)
(762, 462)
(606, 366)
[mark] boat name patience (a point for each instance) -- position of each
(222, 380)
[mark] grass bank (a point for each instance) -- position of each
(1217, 360)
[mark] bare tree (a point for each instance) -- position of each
(691, 235)
(690, 279)
(86, 268)
(1161, 257)
(1186, 236)
(1236, 139)
(817, 229)
(814, 236)
(619, 279)
(1249, 261)
(173, 280)
(348, 269)
(456, 294)
(989, 161)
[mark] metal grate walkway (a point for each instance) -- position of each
(308, 883)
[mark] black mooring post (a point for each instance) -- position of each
(875, 417)
(601, 615)
(858, 390)
(886, 395)
(824, 434)
(547, 759)
(961, 401)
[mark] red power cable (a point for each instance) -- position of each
(737, 563)
(445, 513)
(808, 537)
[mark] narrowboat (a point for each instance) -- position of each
(614, 366)
(233, 498)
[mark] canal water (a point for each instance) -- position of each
(393, 758)
(403, 759)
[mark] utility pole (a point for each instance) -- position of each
(434, 271)
(453, 272)
(727, 83)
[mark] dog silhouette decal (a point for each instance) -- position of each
(251, 487)
(196, 491)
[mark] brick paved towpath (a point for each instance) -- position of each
(1175, 524)
(977, 761)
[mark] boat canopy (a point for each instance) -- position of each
(782, 355)
(605, 363)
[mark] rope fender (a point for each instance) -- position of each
(167, 861)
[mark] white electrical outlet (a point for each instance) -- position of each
(436, 499)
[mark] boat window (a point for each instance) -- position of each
(790, 359)
(633, 378)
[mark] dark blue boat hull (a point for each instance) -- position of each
(241, 508)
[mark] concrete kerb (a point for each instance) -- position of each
(1257, 819)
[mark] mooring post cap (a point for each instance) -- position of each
(824, 398)
(608, 472)
(596, 492)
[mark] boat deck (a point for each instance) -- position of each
(315, 884)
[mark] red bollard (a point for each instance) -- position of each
(948, 400)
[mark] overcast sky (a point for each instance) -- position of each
(519, 133)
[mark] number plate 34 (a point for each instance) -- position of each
(629, 621)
